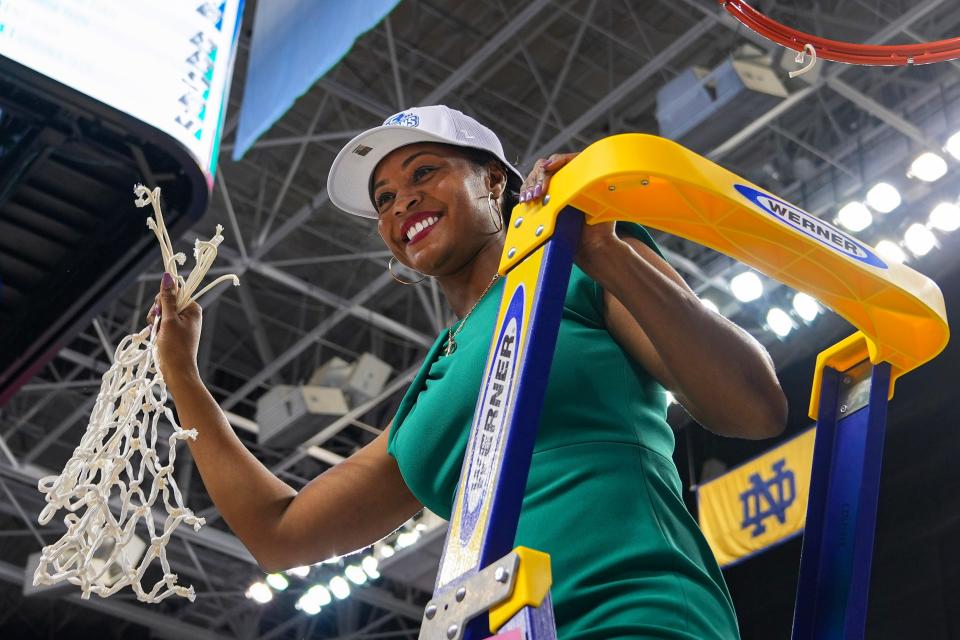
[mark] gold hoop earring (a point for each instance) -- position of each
(398, 278)
(495, 215)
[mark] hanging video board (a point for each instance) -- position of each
(167, 63)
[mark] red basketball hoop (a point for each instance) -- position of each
(877, 55)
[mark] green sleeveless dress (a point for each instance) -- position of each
(603, 497)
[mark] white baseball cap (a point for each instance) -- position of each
(349, 180)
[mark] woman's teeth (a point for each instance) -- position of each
(420, 226)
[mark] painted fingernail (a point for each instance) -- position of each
(538, 191)
(155, 310)
(166, 282)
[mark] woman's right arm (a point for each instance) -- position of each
(348, 507)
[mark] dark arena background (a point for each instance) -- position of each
(244, 137)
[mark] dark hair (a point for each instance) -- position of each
(481, 158)
(511, 192)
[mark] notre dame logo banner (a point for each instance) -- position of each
(758, 504)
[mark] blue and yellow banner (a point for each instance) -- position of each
(760, 503)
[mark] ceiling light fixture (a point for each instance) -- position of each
(779, 322)
(370, 566)
(260, 592)
(945, 216)
(928, 167)
(300, 572)
(891, 251)
(278, 581)
(883, 197)
(953, 145)
(355, 574)
(806, 306)
(746, 286)
(919, 239)
(855, 216)
(339, 587)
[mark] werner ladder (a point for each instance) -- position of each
(485, 586)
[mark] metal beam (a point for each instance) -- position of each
(618, 94)
(164, 625)
(354, 309)
(20, 512)
(283, 141)
(205, 347)
(259, 334)
(494, 45)
(895, 27)
(291, 171)
(572, 52)
(54, 434)
(321, 454)
(228, 205)
(394, 64)
(761, 121)
(234, 419)
(879, 111)
(346, 419)
(346, 307)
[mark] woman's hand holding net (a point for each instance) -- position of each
(116, 475)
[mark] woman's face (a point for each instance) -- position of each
(432, 206)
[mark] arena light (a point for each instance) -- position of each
(855, 216)
(919, 239)
(300, 572)
(891, 251)
(320, 593)
(260, 592)
(928, 167)
(779, 322)
(945, 216)
(883, 197)
(308, 606)
(386, 551)
(953, 145)
(278, 581)
(746, 286)
(355, 574)
(370, 566)
(339, 587)
(671, 399)
(710, 304)
(407, 538)
(315, 598)
(806, 306)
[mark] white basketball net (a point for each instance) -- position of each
(117, 461)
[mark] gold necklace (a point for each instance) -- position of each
(451, 334)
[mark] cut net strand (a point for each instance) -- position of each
(117, 462)
(838, 51)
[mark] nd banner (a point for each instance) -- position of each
(759, 504)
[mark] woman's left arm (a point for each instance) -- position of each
(720, 374)
(715, 369)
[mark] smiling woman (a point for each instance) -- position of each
(439, 187)
(603, 496)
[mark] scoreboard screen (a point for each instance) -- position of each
(167, 63)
